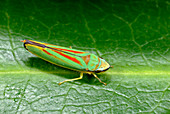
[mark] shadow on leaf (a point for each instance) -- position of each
(44, 66)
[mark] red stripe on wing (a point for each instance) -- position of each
(47, 52)
(68, 57)
(73, 51)
(54, 56)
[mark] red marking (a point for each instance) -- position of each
(69, 50)
(68, 57)
(86, 59)
(47, 52)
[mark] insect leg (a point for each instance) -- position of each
(98, 79)
(81, 76)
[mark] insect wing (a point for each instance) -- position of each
(65, 59)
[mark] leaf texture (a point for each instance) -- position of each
(133, 36)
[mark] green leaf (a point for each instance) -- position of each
(133, 36)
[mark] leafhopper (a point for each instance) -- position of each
(81, 61)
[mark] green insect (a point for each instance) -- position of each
(73, 59)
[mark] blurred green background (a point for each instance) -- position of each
(132, 35)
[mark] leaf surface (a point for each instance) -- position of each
(133, 36)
